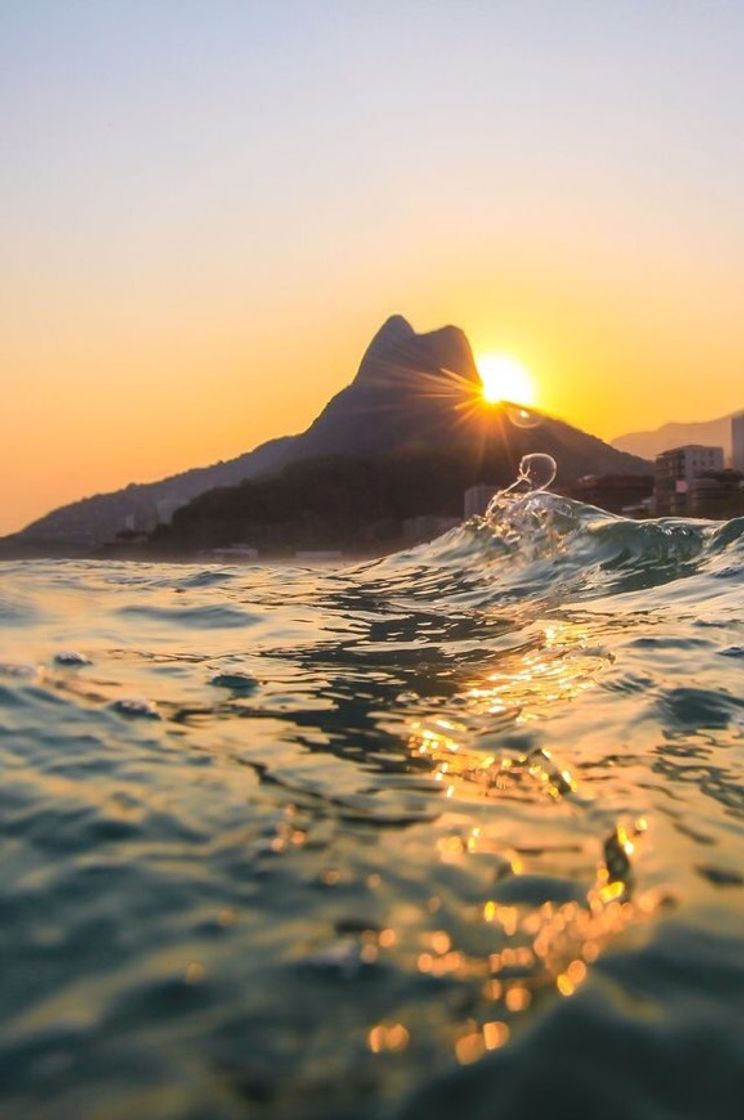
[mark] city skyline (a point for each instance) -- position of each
(209, 210)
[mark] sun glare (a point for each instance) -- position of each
(505, 379)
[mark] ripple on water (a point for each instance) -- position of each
(692, 708)
(206, 618)
(456, 832)
(240, 683)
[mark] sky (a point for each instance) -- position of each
(208, 207)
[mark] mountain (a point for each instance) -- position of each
(412, 393)
(714, 433)
(86, 524)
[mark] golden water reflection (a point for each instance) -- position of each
(535, 945)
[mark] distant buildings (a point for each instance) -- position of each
(676, 470)
(717, 494)
(691, 480)
(737, 441)
(477, 499)
(617, 493)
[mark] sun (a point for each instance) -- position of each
(505, 379)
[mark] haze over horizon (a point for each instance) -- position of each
(209, 209)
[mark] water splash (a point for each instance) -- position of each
(536, 473)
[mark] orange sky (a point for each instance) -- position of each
(207, 218)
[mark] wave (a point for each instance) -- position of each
(547, 547)
(308, 841)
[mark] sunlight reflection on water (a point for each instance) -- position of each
(307, 843)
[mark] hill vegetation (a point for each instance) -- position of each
(341, 502)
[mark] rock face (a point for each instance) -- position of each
(405, 394)
(412, 392)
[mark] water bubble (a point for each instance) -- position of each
(521, 417)
(71, 658)
(135, 709)
(538, 470)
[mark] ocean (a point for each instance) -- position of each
(459, 832)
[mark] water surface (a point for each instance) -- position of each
(459, 832)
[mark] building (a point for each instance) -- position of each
(613, 492)
(737, 441)
(717, 494)
(477, 499)
(676, 470)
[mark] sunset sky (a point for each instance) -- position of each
(209, 207)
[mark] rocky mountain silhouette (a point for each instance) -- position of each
(412, 393)
(649, 444)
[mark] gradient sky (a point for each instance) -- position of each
(209, 207)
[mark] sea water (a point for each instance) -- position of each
(455, 833)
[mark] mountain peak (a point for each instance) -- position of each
(397, 353)
(394, 331)
(397, 323)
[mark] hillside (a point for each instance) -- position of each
(350, 502)
(412, 392)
